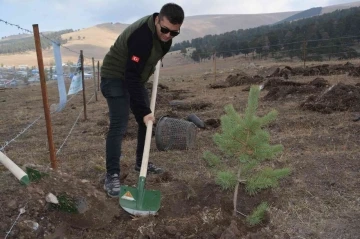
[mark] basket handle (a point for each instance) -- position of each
(145, 158)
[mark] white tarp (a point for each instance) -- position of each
(76, 81)
(60, 77)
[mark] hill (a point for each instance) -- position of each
(329, 35)
(199, 26)
(304, 14)
(316, 11)
(95, 41)
(332, 8)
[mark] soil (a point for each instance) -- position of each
(340, 97)
(279, 89)
(320, 199)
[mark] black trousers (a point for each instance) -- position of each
(119, 103)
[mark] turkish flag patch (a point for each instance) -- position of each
(135, 58)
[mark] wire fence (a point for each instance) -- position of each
(43, 35)
(346, 47)
(24, 130)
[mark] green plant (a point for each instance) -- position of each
(257, 215)
(245, 143)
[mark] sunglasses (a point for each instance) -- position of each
(165, 30)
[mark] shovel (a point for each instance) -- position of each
(139, 201)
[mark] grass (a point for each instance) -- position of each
(319, 200)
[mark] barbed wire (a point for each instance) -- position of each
(280, 44)
(311, 48)
(21, 211)
(15, 25)
(279, 51)
(44, 36)
(19, 134)
(7, 143)
(72, 128)
(335, 53)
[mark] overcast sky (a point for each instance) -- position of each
(75, 14)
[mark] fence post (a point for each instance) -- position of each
(83, 82)
(214, 66)
(93, 62)
(98, 76)
(304, 56)
(44, 95)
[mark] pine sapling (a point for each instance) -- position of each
(244, 146)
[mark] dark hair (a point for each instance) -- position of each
(173, 12)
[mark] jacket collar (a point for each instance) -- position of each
(151, 22)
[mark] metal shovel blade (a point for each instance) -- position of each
(139, 201)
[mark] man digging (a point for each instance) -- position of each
(126, 68)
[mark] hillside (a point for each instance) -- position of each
(95, 41)
(329, 35)
(15, 37)
(304, 14)
(339, 7)
(199, 26)
(316, 11)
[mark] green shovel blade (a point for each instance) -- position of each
(138, 201)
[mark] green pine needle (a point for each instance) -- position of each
(226, 180)
(211, 159)
(266, 178)
(257, 215)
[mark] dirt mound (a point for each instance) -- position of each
(237, 80)
(319, 82)
(324, 70)
(79, 204)
(190, 106)
(280, 89)
(285, 72)
(340, 97)
(242, 79)
(355, 72)
(275, 82)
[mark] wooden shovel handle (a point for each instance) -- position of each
(145, 158)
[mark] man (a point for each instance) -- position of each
(126, 67)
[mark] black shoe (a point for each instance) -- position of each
(151, 168)
(112, 184)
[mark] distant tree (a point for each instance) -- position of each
(183, 51)
(27, 43)
(70, 38)
(285, 39)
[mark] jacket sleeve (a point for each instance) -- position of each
(139, 49)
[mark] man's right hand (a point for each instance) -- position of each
(149, 117)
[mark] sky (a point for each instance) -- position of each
(54, 15)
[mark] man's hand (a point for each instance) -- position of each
(149, 117)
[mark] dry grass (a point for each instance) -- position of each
(319, 200)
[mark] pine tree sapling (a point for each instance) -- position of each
(246, 143)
